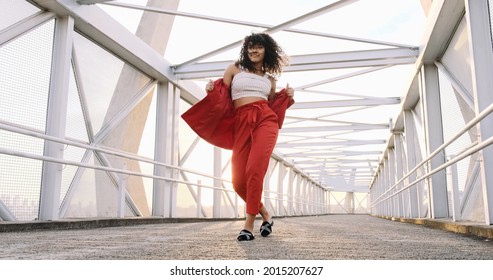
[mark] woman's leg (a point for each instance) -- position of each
(241, 150)
(253, 146)
(266, 217)
(249, 222)
(264, 138)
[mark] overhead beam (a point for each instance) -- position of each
(344, 188)
(92, 21)
(91, 2)
(335, 153)
(338, 167)
(367, 58)
(330, 143)
(364, 55)
(346, 103)
(334, 128)
(332, 160)
(342, 77)
(441, 24)
(359, 172)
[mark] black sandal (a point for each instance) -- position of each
(245, 235)
(266, 228)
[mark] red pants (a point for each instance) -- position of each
(255, 135)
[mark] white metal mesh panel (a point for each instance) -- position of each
(20, 177)
(453, 116)
(24, 77)
(24, 85)
(472, 205)
(419, 143)
(12, 11)
(456, 112)
(20, 192)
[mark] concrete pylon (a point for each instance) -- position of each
(154, 29)
(426, 4)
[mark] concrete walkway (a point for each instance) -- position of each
(331, 237)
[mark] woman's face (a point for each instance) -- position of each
(256, 53)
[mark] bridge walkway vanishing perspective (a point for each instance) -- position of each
(328, 237)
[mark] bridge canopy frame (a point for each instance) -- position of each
(327, 152)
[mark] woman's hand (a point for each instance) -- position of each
(209, 86)
(289, 91)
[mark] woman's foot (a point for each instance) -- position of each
(245, 235)
(266, 228)
(267, 223)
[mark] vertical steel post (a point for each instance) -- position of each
(292, 177)
(280, 188)
(434, 138)
(394, 199)
(56, 118)
(217, 193)
(164, 121)
(399, 169)
(199, 198)
(480, 46)
(410, 131)
(122, 192)
(454, 181)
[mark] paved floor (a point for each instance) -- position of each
(332, 237)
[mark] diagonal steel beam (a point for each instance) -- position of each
(255, 24)
(90, 2)
(276, 28)
(24, 26)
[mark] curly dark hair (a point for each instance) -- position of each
(274, 59)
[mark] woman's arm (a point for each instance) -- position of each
(272, 93)
(229, 73)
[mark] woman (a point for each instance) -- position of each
(251, 83)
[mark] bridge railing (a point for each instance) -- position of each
(307, 199)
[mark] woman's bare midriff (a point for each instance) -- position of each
(245, 100)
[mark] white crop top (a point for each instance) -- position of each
(246, 84)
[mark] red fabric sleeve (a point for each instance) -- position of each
(212, 118)
(280, 104)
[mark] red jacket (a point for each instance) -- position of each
(212, 118)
